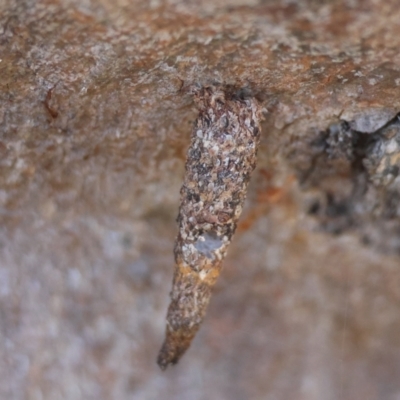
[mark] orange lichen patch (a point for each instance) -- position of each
(81, 17)
(250, 219)
(266, 197)
(271, 195)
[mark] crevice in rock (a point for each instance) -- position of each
(354, 181)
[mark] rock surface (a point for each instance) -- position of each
(95, 121)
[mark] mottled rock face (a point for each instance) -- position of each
(95, 121)
(354, 178)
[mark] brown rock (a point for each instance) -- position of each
(95, 121)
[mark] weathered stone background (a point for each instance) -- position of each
(94, 122)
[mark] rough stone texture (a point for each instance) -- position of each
(94, 123)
